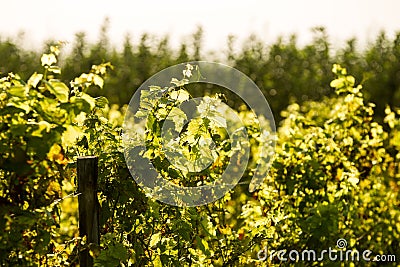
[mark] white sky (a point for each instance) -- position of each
(45, 19)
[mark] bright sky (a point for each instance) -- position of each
(59, 19)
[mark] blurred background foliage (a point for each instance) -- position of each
(285, 71)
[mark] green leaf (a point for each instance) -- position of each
(19, 91)
(89, 99)
(194, 130)
(351, 80)
(101, 102)
(48, 59)
(43, 125)
(155, 239)
(80, 104)
(338, 83)
(54, 69)
(217, 118)
(157, 261)
(23, 105)
(179, 83)
(26, 219)
(71, 135)
(119, 251)
(178, 117)
(59, 89)
(203, 246)
(35, 79)
(184, 229)
(353, 181)
(97, 80)
(180, 95)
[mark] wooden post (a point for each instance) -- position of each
(87, 172)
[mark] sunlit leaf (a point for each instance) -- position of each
(35, 79)
(178, 117)
(54, 69)
(19, 91)
(59, 89)
(97, 80)
(48, 59)
(180, 95)
(101, 102)
(71, 135)
(155, 239)
(43, 126)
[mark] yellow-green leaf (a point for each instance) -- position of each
(48, 59)
(351, 80)
(55, 69)
(70, 135)
(89, 99)
(155, 239)
(101, 102)
(19, 91)
(97, 80)
(35, 79)
(353, 181)
(157, 261)
(60, 90)
(43, 125)
(338, 83)
(180, 95)
(179, 83)
(55, 50)
(177, 116)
